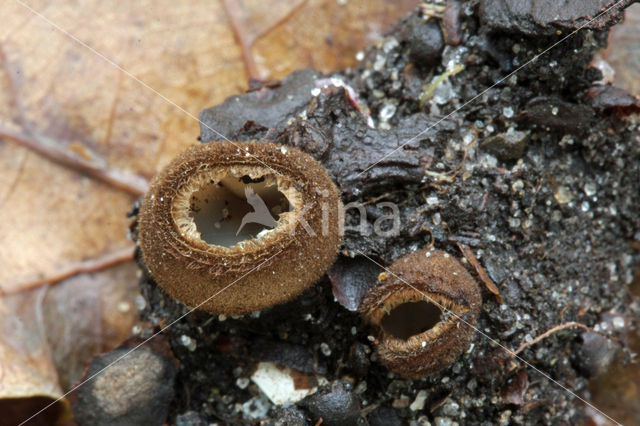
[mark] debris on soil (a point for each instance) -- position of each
(263, 108)
(529, 169)
(554, 113)
(134, 386)
(508, 146)
(515, 389)
(351, 278)
(490, 285)
(424, 39)
(337, 406)
(612, 98)
(543, 17)
(283, 386)
(595, 354)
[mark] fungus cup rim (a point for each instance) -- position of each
(185, 226)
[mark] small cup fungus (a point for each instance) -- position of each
(237, 227)
(424, 310)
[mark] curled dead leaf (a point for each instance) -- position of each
(48, 335)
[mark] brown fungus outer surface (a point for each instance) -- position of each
(261, 270)
(440, 280)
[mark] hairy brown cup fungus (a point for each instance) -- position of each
(424, 310)
(239, 226)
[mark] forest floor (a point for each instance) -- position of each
(485, 139)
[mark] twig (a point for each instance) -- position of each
(383, 196)
(432, 87)
(468, 254)
(448, 176)
(548, 333)
(563, 310)
(84, 266)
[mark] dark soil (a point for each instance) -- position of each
(539, 179)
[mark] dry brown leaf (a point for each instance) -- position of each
(87, 315)
(27, 371)
(324, 34)
(53, 217)
(68, 103)
(623, 53)
(48, 336)
(80, 138)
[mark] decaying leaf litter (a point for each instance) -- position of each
(535, 177)
(448, 202)
(77, 122)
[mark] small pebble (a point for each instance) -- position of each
(337, 407)
(325, 349)
(590, 189)
(418, 403)
(188, 342)
(256, 407)
(242, 382)
(136, 388)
